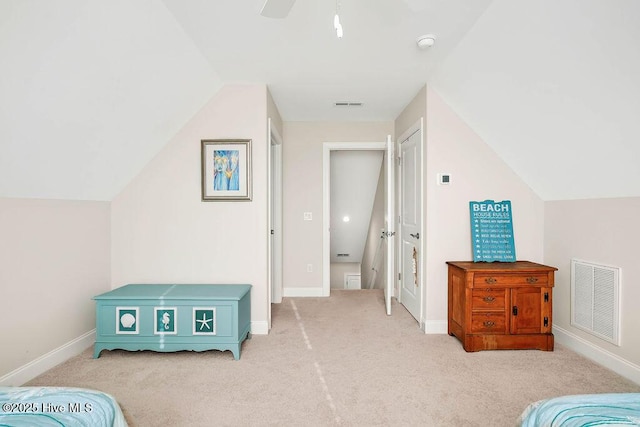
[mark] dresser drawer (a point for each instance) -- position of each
(488, 299)
(520, 279)
(490, 322)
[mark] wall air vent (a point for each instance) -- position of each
(595, 300)
(342, 255)
(348, 104)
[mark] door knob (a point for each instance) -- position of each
(415, 236)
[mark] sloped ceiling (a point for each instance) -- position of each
(308, 68)
(91, 91)
(553, 87)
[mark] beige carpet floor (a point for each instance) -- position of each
(335, 361)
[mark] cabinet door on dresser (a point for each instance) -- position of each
(531, 310)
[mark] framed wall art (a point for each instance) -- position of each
(226, 170)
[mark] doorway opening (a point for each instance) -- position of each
(356, 218)
(385, 150)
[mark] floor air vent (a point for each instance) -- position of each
(595, 299)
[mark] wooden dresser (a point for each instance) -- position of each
(501, 305)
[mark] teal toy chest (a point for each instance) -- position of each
(173, 318)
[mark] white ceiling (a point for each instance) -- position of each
(91, 91)
(308, 68)
(553, 86)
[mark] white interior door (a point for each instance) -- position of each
(275, 217)
(410, 222)
(389, 223)
(276, 224)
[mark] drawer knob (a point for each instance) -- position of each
(489, 299)
(532, 280)
(489, 324)
(490, 280)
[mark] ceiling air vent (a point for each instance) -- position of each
(343, 255)
(348, 104)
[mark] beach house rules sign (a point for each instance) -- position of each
(492, 231)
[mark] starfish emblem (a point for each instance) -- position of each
(204, 322)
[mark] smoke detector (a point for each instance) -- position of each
(426, 41)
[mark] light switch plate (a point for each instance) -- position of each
(308, 216)
(444, 178)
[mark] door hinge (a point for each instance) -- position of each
(546, 322)
(546, 297)
(399, 276)
(515, 310)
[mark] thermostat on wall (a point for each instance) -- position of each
(444, 179)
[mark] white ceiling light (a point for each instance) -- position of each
(346, 218)
(426, 41)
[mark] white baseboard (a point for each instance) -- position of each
(47, 361)
(260, 328)
(302, 292)
(599, 355)
(436, 326)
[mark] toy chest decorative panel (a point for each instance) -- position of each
(173, 318)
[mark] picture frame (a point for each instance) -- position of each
(226, 170)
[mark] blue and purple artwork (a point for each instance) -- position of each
(226, 170)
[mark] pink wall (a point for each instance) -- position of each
(477, 173)
(163, 233)
(54, 257)
(302, 188)
(602, 231)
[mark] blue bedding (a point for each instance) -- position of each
(610, 409)
(58, 406)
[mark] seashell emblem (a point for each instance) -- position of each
(127, 320)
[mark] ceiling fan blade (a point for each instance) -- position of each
(276, 8)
